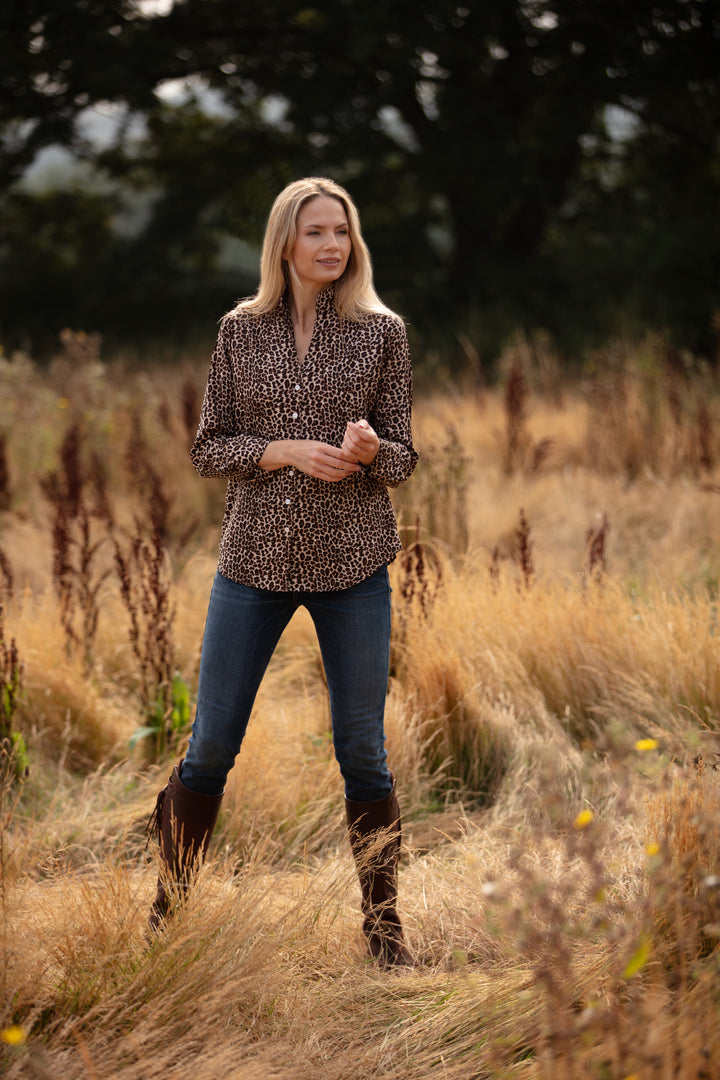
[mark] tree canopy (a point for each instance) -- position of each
(517, 163)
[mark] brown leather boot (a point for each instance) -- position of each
(183, 822)
(374, 830)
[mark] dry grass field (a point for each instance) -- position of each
(553, 719)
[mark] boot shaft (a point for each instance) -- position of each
(375, 835)
(183, 821)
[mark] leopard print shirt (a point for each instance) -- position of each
(284, 530)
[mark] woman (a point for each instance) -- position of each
(307, 414)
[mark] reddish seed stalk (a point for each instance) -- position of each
(5, 493)
(10, 678)
(595, 540)
(523, 552)
(7, 581)
(76, 577)
(515, 415)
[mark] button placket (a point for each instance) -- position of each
(287, 502)
(296, 410)
(291, 473)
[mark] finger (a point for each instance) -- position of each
(353, 454)
(333, 475)
(360, 437)
(337, 468)
(329, 456)
(359, 426)
(362, 445)
(357, 437)
(349, 458)
(337, 452)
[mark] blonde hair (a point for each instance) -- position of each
(355, 295)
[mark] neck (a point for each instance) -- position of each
(303, 299)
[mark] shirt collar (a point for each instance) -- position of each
(323, 303)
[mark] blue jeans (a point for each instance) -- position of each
(242, 629)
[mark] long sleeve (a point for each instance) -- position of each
(221, 446)
(391, 415)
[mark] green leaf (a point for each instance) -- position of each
(142, 733)
(20, 753)
(180, 716)
(639, 958)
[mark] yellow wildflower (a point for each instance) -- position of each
(13, 1036)
(652, 848)
(583, 819)
(646, 744)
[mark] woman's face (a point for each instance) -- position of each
(322, 245)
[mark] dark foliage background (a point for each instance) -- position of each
(519, 164)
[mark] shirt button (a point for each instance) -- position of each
(287, 502)
(297, 385)
(291, 473)
(294, 416)
(287, 530)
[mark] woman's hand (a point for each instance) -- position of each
(318, 459)
(360, 442)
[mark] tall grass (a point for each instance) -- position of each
(553, 719)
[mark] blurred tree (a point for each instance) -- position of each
(53, 261)
(59, 57)
(477, 138)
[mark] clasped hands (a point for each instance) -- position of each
(322, 460)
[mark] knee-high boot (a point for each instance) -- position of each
(374, 831)
(183, 821)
